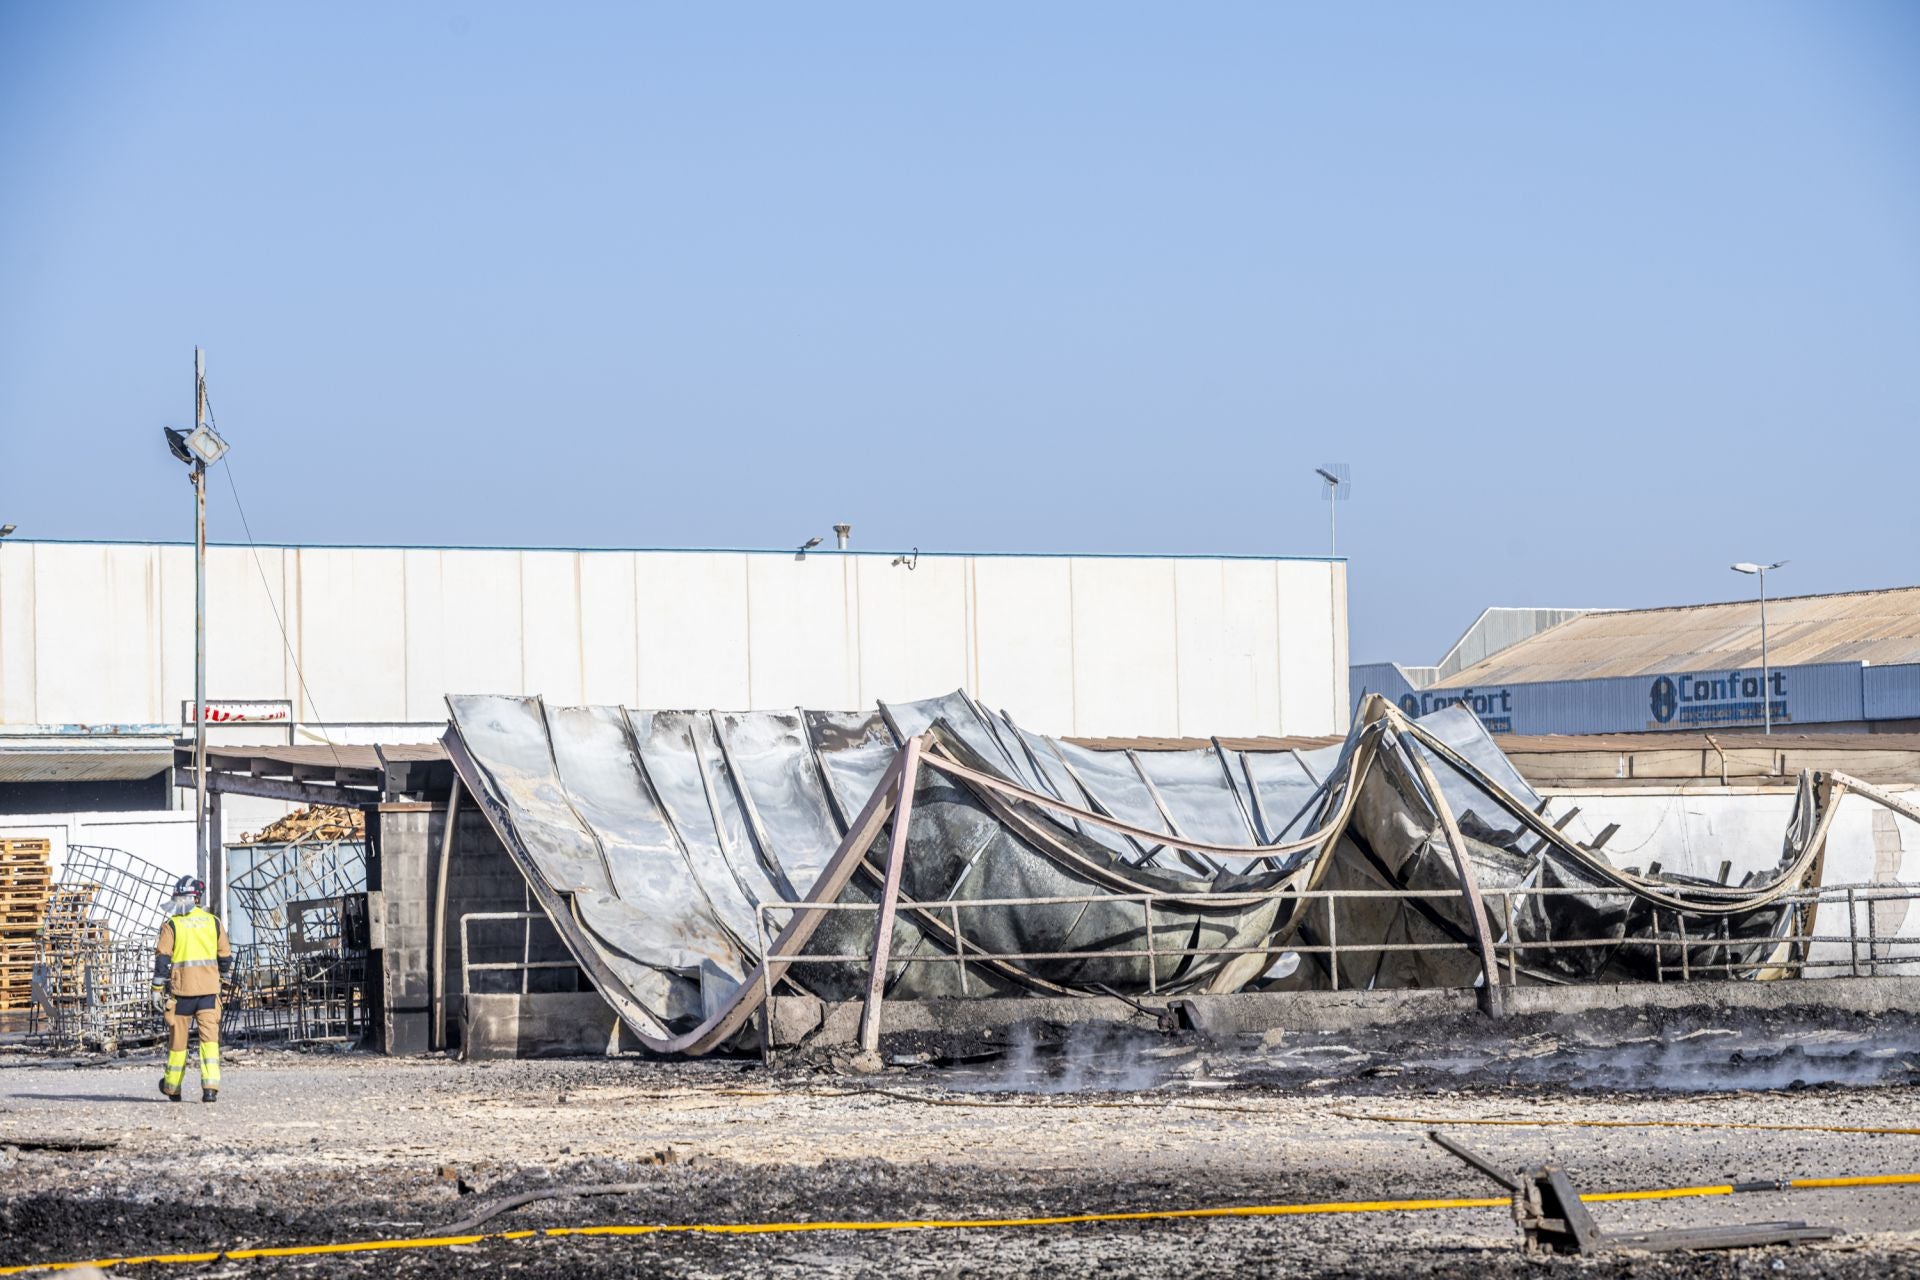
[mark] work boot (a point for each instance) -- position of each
(209, 1095)
(172, 1092)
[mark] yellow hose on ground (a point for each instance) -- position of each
(1448, 1121)
(920, 1224)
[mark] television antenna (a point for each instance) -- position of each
(1336, 481)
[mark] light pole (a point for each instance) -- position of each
(1338, 479)
(1766, 669)
(199, 448)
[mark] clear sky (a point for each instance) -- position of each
(1595, 299)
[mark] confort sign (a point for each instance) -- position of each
(1493, 706)
(1735, 697)
(1817, 693)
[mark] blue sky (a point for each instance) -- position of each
(1594, 299)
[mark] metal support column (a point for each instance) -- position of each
(1492, 999)
(437, 955)
(889, 906)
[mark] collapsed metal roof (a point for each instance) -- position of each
(658, 840)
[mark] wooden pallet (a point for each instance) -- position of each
(26, 886)
(26, 892)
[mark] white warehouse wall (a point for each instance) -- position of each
(163, 837)
(95, 633)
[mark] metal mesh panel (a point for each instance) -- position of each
(302, 973)
(301, 977)
(93, 959)
(278, 874)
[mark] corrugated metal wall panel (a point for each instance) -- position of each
(1892, 693)
(1824, 693)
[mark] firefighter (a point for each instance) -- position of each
(192, 966)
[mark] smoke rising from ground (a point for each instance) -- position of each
(1657, 1051)
(1086, 1058)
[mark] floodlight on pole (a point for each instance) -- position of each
(206, 445)
(6, 530)
(1337, 479)
(1766, 668)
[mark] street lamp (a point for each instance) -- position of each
(1338, 479)
(199, 449)
(1766, 670)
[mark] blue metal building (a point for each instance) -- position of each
(1835, 663)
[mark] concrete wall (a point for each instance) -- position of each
(103, 633)
(403, 840)
(402, 869)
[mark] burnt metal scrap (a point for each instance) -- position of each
(1553, 1216)
(302, 972)
(93, 961)
(299, 973)
(936, 849)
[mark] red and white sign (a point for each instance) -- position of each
(227, 711)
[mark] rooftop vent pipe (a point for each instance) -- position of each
(841, 534)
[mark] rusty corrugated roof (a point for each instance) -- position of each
(1878, 627)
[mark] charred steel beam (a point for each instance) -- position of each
(274, 789)
(889, 906)
(1492, 999)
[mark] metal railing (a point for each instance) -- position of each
(525, 964)
(1788, 948)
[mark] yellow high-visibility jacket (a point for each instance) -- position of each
(193, 954)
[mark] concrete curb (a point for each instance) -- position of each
(798, 1018)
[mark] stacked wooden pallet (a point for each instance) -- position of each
(26, 878)
(315, 822)
(72, 941)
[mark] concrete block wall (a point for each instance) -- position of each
(403, 841)
(402, 868)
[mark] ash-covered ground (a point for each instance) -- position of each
(329, 1146)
